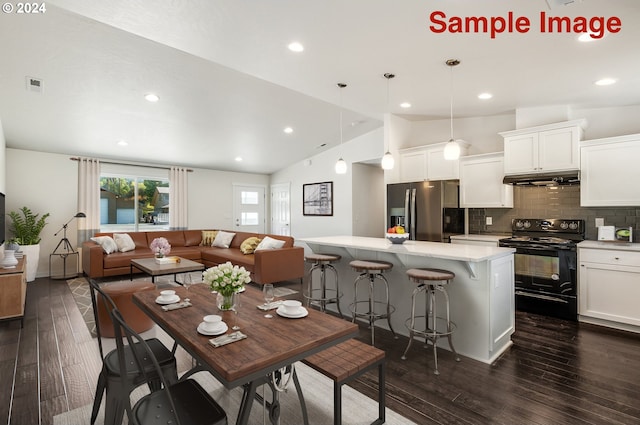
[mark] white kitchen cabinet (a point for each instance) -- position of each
(428, 163)
(610, 172)
(413, 165)
(481, 182)
(543, 149)
(609, 285)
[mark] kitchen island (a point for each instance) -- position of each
(481, 295)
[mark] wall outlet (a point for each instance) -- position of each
(599, 222)
(489, 221)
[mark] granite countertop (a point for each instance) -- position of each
(461, 252)
(622, 246)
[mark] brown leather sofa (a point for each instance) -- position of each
(266, 266)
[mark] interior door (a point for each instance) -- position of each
(249, 208)
(281, 209)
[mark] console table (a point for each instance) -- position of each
(13, 291)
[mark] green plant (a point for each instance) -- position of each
(27, 227)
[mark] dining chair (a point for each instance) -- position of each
(183, 403)
(113, 380)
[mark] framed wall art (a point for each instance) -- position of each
(317, 198)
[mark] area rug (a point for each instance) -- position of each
(357, 409)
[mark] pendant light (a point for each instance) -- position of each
(452, 148)
(387, 159)
(341, 165)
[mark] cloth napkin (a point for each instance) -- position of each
(176, 306)
(227, 339)
(270, 306)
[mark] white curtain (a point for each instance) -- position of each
(88, 198)
(178, 198)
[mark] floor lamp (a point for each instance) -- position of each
(64, 249)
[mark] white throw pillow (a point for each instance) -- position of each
(124, 242)
(270, 243)
(107, 243)
(223, 239)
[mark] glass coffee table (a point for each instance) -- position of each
(153, 269)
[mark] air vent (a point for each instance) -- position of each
(35, 85)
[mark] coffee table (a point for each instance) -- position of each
(153, 269)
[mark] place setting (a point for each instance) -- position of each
(171, 301)
(292, 309)
(212, 325)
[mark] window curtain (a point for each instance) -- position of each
(88, 198)
(178, 198)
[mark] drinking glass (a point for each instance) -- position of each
(267, 291)
(187, 281)
(236, 307)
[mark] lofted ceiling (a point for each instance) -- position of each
(228, 85)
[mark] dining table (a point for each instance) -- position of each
(271, 347)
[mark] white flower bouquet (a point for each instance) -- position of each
(226, 278)
(160, 247)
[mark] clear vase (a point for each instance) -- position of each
(226, 302)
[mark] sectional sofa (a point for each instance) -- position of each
(266, 266)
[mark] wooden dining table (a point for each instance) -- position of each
(271, 344)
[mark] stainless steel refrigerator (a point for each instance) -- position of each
(428, 210)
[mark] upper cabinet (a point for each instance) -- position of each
(610, 173)
(481, 182)
(428, 163)
(543, 149)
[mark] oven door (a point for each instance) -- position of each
(545, 281)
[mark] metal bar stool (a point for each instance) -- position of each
(370, 271)
(430, 281)
(323, 295)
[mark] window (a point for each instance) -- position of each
(133, 203)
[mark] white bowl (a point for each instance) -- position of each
(291, 306)
(397, 238)
(167, 294)
(212, 322)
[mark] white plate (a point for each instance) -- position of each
(171, 300)
(220, 331)
(302, 313)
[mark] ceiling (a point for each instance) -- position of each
(228, 85)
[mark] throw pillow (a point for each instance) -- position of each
(223, 239)
(124, 242)
(208, 237)
(107, 243)
(249, 245)
(270, 243)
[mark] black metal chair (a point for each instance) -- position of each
(112, 380)
(183, 403)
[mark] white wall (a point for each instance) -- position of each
(3, 161)
(321, 169)
(47, 182)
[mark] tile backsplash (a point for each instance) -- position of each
(545, 202)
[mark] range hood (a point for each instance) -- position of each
(544, 179)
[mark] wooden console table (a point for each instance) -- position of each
(13, 291)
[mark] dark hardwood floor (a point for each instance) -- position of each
(556, 372)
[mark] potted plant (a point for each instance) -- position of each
(26, 229)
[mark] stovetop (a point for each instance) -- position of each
(545, 232)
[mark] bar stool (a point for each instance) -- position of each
(430, 281)
(323, 262)
(370, 271)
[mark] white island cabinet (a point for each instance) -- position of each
(481, 295)
(609, 284)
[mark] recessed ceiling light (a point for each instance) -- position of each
(123, 143)
(238, 158)
(485, 96)
(587, 37)
(288, 130)
(606, 82)
(296, 47)
(151, 97)
(405, 105)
